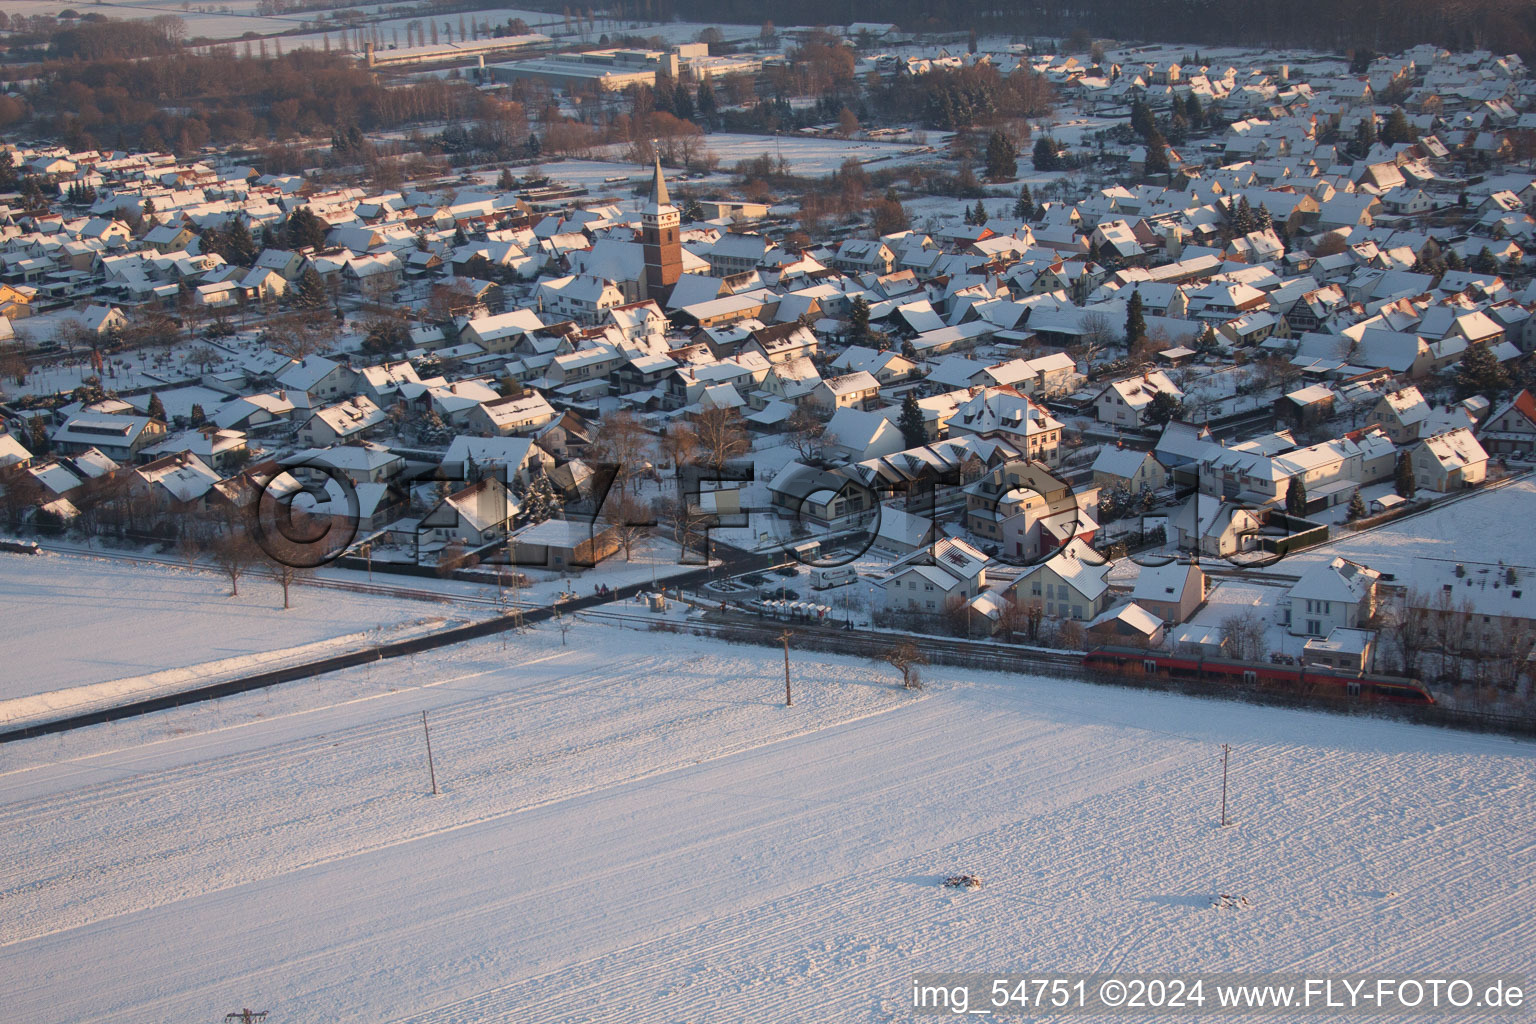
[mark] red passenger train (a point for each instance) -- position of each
(1303, 680)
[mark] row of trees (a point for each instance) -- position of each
(1388, 25)
(184, 100)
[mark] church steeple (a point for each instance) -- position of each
(659, 195)
(661, 240)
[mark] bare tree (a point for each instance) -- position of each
(904, 657)
(629, 519)
(721, 436)
(451, 557)
(202, 356)
(290, 557)
(1243, 633)
(680, 444)
(805, 433)
(1402, 623)
(622, 440)
(191, 547)
(685, 523)
(1098, 334)
(957, 616)
(234, 553)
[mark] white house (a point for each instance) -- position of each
(1126, 403)
(1335, 594)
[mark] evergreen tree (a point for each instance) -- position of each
(541, 503)
(1241, 216)
(1207, 342)
(37, 435)
(1192, 111)
(505, 182)
(1480, 373)
(980, 214)
(693, 211)
(311, 291)
(1365, 134)
(1024, 207)
(1296, 497)
(238, 247)
(303, 230)
(1142, 121)
(1045, 156)
(532, 148)
(914, 432)
(858, 316)
(1157, 154)
(1002, 157)
(1135, 322)
(707, 101)
(156, 408)
(1356, 507)
(682, 103)
(1453, 261)
(1429, 259)
(198, 416)
(1397, 129)
(1403, 481)
(1485, 262)
(1164, 407)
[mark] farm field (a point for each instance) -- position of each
(115, 629)
(633, 827)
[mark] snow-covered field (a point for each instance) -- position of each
(1488, 525)
(84, 631)
(634, 828)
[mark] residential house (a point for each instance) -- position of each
(1003, 412)
(934, 580)
(354, 419)
(1071, 584)
(1126, 467)
(1173, 592)
(1128, 403)
(320, 378)
(514, 414)
(857, 390)
(1211, 526)
(1449, 461)
(1333, 594)
(118, 437)
(1400, 413)
(1512, 427)
(475, 515)
(561, 544)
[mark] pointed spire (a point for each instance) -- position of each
(659, 189)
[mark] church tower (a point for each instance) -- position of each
(661, 241)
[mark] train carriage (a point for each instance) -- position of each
(1302, 680)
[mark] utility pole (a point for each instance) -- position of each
(1226, 751)
(247, 1016)
(789, 700)
(431, 768)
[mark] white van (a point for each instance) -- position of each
(832, 576)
